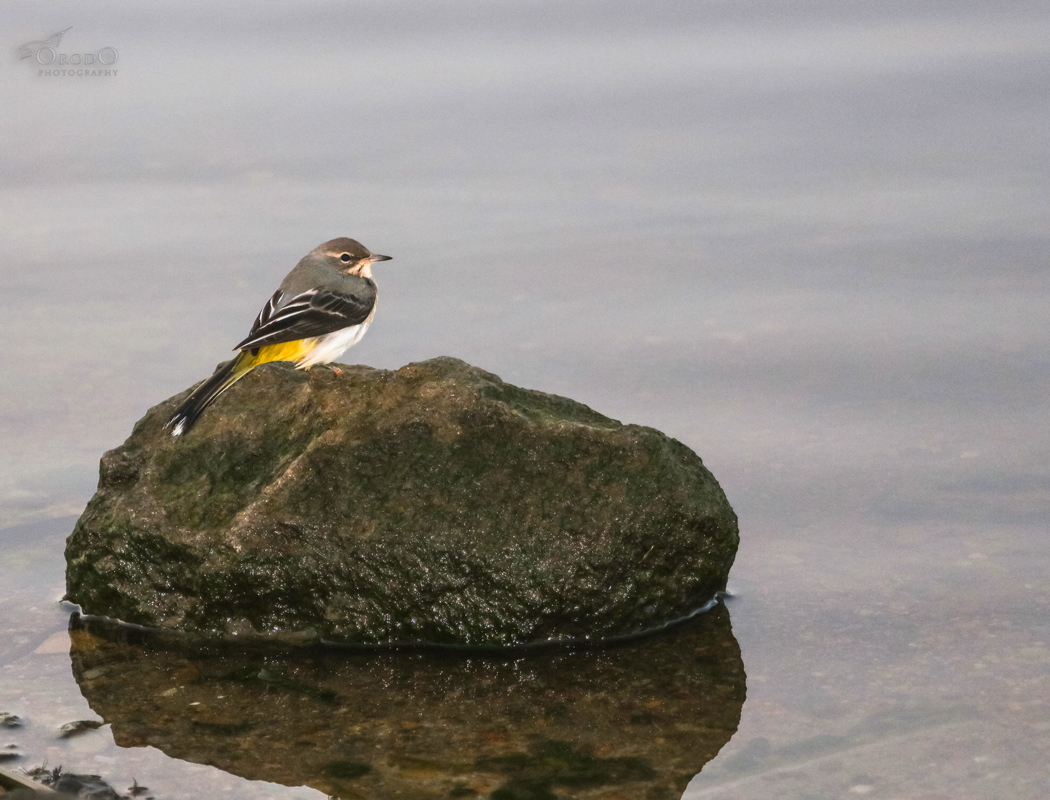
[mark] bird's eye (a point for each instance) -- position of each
(344, 257)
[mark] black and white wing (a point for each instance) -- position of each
(312, 313)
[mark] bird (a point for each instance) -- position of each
(30, 48)
(322, 307)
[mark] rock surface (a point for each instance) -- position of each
(434, 503)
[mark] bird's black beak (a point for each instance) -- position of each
(376, 257)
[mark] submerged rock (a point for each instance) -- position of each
(434, 503)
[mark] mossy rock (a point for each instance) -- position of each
(434, 503)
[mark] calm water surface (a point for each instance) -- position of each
(810, 243)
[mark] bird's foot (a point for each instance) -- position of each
(335, 370)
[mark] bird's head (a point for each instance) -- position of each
(349, 256)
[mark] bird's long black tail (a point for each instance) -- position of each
(204, 395)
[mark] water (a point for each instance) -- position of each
(810, 244)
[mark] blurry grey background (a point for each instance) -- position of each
(808, 239)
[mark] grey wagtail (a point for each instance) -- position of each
(321, 308)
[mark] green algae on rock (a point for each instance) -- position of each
(434, 503)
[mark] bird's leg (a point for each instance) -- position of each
(335, 370)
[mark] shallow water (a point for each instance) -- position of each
(812, 246)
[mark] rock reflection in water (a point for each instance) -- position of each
(632, 721)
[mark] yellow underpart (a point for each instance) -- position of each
(246, 362)
(286, 351)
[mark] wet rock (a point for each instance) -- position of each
(10, 720)
(85, 787)
(77, 727)
(71, 785)
(434, 503)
